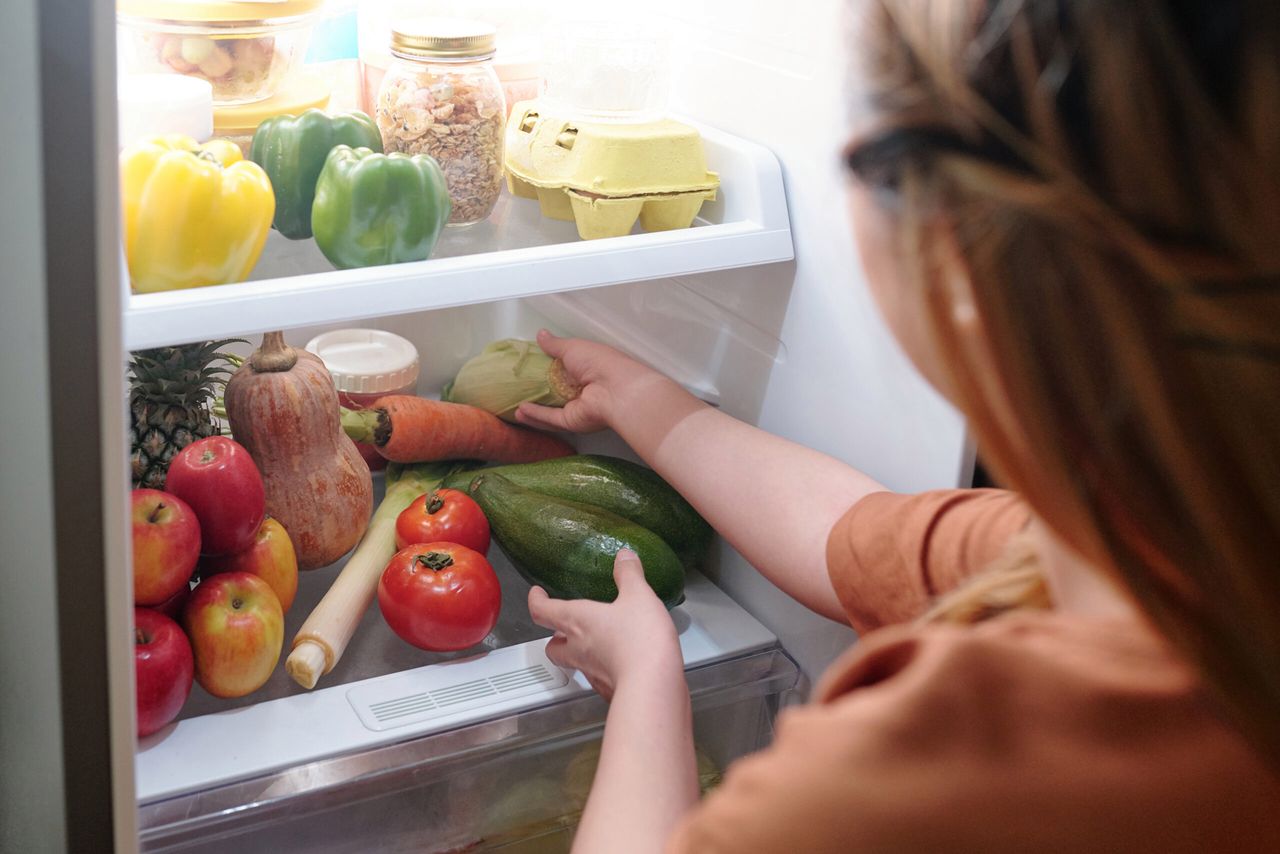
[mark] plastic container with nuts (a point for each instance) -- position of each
(442, 97)
(246, 50)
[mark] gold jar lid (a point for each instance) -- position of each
(443, 38)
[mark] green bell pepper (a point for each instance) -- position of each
(292, 150)
(378, 208)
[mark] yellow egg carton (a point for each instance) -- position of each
(603, 176)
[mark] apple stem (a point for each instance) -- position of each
(236, 603)
(139, 636)
(155, 514)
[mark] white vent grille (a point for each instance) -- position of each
(422, 695)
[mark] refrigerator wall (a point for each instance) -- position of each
(806, 355)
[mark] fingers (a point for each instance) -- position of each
(557, 651)
(550, 344)
(560, 653)
(544, 417)
(628, 573)
(576, 354)
(547, 612)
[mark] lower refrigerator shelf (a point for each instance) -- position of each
(517, 783)
(223, 760)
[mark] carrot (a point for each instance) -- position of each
(408, 429)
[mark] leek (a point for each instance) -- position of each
(323, 638)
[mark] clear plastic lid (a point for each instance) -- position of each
(596, 70)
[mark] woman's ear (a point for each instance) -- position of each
(975, 377)
(955, 276)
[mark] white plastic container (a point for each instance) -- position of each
(153, 104)
(367, 364)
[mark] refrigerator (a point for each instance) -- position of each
(760, 309)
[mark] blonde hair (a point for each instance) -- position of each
(1013, 582)
(1108, 300)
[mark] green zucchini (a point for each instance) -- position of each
(568, 547)
(618, 486)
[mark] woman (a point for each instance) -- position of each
(1070, 215)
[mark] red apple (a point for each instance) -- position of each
(166, 545)
(218, 478)
(163, 666)
(173, 606)
(237, 630)
(271, 558)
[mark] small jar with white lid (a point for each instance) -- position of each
(441, 96)
(367, 364)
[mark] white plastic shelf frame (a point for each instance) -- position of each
(288, 727)
(515, 253)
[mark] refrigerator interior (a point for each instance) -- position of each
(791, 345)
(211, 768)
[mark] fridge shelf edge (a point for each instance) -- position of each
(747, 226)
(220, 749)
(155, 320)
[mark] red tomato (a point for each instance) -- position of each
(440, 596)
(444, 516)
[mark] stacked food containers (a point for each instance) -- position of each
(247, 51)
(597, 147)
(250, 53)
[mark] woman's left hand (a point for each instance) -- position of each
(631, 637)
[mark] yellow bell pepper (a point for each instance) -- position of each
(194, 215)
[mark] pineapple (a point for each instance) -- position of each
(171, 393)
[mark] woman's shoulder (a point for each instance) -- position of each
(1034, 732)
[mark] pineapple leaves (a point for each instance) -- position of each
(172, 394)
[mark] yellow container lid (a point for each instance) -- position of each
(226, 11)
(305, 92)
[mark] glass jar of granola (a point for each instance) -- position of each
(441, 96)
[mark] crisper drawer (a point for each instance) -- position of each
(515, 783)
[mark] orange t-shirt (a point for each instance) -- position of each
(1030, 732)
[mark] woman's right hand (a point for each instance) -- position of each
(608, 380)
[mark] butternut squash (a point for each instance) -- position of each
(284, 409)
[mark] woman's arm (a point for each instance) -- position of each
(773, 500)
(647, 777)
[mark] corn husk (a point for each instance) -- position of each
(508, 373)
